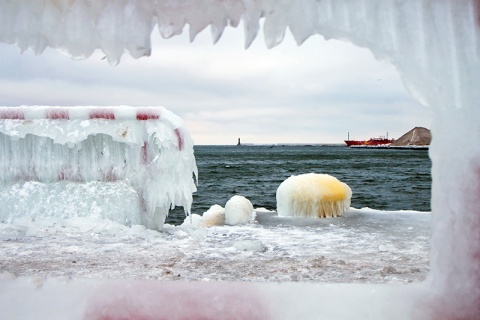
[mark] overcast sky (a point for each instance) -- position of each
(315, 93)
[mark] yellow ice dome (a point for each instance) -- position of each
(313, 195)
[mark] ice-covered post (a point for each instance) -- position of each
(127, 164)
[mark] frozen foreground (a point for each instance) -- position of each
(53, 263)
(365, 246)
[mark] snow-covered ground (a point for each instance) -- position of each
(364, 246)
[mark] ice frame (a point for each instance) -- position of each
(435, 46)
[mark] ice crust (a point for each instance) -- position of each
(127, 170)
(116, 201)
(435, 45)
(364, 246)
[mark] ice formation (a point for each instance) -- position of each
(192, 221)
(215, 216)
(313, 195)
(435, 45)
(238, 210)
(130, 165)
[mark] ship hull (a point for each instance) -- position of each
(371, 142)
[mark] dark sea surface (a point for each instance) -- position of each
(383, 179)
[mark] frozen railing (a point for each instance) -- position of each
(127, 164)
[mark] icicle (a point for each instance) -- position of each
(274, 28)
(302, 28)
(251, 22)
(217, 31)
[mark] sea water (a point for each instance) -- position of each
(382, 179)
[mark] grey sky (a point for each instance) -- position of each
(314, 93)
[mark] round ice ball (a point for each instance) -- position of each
(313, 195)
(238, 210)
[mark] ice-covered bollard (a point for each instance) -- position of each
(130, 165)
(238, 210)
(313, 195)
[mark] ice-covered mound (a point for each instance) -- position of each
(238, 210)
(313, 195)
(192, 221)
(215, 216)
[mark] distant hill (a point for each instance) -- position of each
(418, 136)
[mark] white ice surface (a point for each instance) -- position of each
(365, 246)
(48, 261)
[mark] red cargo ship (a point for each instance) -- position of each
(370, 142)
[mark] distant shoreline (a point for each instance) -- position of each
(412, 147)
(274, 145)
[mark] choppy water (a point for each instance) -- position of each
(379, 178)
